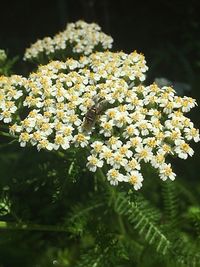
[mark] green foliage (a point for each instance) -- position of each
(170, 202)
(143, 221)
(6, 64)
(193, 214)
(68, 218)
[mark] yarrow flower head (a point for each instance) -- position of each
(77, 39)
(99, 103)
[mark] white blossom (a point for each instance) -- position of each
(94, 163)
(129, 125)
(166, 172)
(135, 178)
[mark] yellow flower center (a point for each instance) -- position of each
(168, 171)
(185, 147)
(133, 179)
(59, 140)
(80, 138)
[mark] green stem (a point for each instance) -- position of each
(100, 174)
(31, 227)
(5, 134)
(121, 225)
(112, 192)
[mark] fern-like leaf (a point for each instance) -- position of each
(142, 222)
(170, 202)
(186, 253)
(80, 214)
(112, 254)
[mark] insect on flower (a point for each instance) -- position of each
(93, 112)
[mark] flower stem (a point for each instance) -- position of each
(5, 134)
(101, 174)
(121, 225)
(112, 194)
(31, 227)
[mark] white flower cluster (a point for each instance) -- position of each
(135, 125)
(78, 38)
(11, 89)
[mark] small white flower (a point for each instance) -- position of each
(121, 119)
(157, 160)
(169, 106)
(134, 102)
(183, 149)
(106, 127)
(118, 160)
(165, 172)
(135, 178)
(24, 138)
(192, 133)
(61, 141)
(132, 164)
(130, 130)
(29, 124)
(135, 142)
(125, 151)
(106, 154)
(15, 129)
(97, 147)
(151, 142)
(81, 140)
(188, 103)
(174, 135)
(143, 153)
(114, 177)
(45, 144)
(165, 149)
(94, 163)
(114, 142)
(144, 127)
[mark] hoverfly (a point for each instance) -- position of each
(93, 112)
